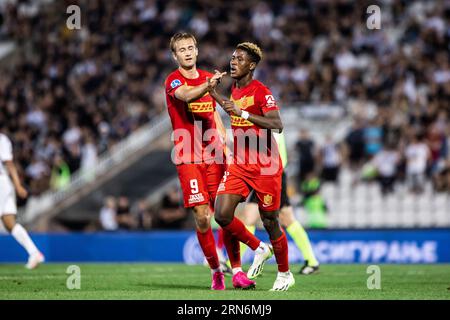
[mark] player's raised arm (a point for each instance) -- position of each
(189, 94)
(213, 92)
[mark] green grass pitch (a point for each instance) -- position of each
(182, 282)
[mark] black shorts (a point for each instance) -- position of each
(284, 197)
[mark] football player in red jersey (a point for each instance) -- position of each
(194, 121)
(258, 166)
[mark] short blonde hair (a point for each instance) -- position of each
(180, 36)
(252, 49)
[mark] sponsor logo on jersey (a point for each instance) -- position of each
(175, 83)
(244, 102)
(270, 101)
(197, 107)
(240, 122)
(194, 198)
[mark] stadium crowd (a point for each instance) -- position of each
(72, 94)
(118, 214)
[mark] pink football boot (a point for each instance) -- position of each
(218, 281)
(240, 280)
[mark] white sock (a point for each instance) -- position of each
(236, 270)
(22, 237)
(284, 274)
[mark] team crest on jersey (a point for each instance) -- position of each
(244, 102)
(268, 199)
(270, 100)
(175, 83)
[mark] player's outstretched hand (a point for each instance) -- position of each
(231, 108)
(215, 80)
(219, 75)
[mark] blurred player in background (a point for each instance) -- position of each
(8, 207)
(192, 113)
(250, 216)
(253, 113)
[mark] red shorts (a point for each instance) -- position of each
(199, 182)
(267, 188)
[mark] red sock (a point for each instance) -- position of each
(233, 249)
(238, 230)
(280, 249)
(220, 240)
(208, 245)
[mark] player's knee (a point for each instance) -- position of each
(202, 223)
(270, 223)
(9, 223)
(8, 228)
(267, 224)
(221, 216)
(202, 217)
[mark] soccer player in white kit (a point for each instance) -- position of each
(8, 208)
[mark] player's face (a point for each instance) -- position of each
(186, 53)
(240, 64)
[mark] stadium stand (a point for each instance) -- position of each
(70, 96)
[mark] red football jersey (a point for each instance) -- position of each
(192, 119)
(256, 144)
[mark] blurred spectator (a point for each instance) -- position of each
(108, 215)
(356, 144)
(386, 163)
(441, 179)
(373, 136)
(330, 159)
(306, 153)
(61, 175)
(417, 155)
(143, 215)
(313, 202)
(38, 172)
(172, 214)
(436, 141)
(88, 154)
(125, 219)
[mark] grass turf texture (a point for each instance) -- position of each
(182, 282)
